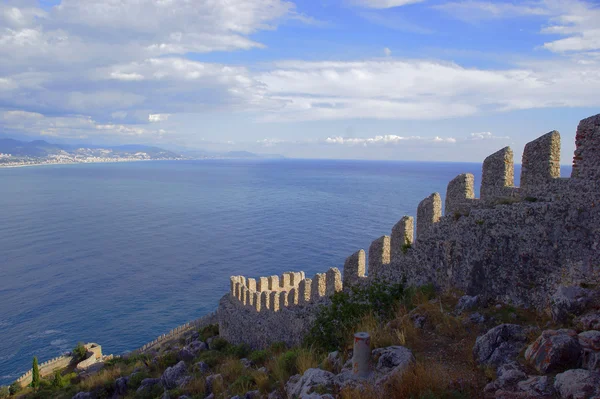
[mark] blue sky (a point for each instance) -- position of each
(364, 79)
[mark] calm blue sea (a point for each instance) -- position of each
(120, 253)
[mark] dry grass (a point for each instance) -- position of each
(196, 386)
(231, 369)
(307, 359)
(381, 336)
(103, 377)
(262, 381)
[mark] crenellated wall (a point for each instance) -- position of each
(514, 244)
(46, 368)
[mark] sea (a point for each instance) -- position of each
(121, 253)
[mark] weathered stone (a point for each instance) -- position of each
(334, 281)
(273, 283)
(147, 384)
(354, 268)
(251, 284)
(537, 387)
(318, 287)
(265, 301)
(590, 346)
(283, 299)
(588, 321)
(379, 255)
(302, 386)
(293, 297)
(498, 175)
(252, 395)
(335, 360)
(274, 301)
(82, 395)
(554, 351)
(247, 363)
(185, 355)
(285, 282)
(121, 385)
(392, 359)
(578, 384)
(500, 345)
(262, 284)
(569, 301)
(172, 374)
(203, 367)
(304, 291)
(586, 162)
(275, 395)
(508, 375)
(466, 303)
(541, 160)
(403, 236)
(256, 301)
(197, 347)
(460, 194)
(429, 212)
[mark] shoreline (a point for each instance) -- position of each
(80, 163)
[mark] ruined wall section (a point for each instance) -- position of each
(46, 368)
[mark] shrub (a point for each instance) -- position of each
(79, 352)
(287, 363)
(4, 392)
(136, 380)
(208, 331)
(14, 388)
(166, 360)
(259, 357)
(58, 381)
(238, 351)
(219, 344)
(242, 384)
(278, 347)
(211, 357)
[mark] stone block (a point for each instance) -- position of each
(379, 255)
(403, 236)
(541, 160)
(498, 174)
(460, 194)
(285, 282)
(251, 284)
(295, 278)
(354, 268)
(265, 300)
(428, 213)
(334, 281)
(244, 295)
(283, 299)
(274, 300)
(304, 291)
(319, 285)
(586, 161)
(238, 291)
(257, 301)
(262, 284)
(273, 283)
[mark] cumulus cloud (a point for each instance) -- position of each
(387, 139)
(158, 117)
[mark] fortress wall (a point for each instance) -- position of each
(428, 213)
(46, 368)
(586, 161)
(402, 237)
(379, 254)
(541, 160)
(354, 268)
(498, 176)
(460, 194)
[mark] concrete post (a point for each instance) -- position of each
(361, 355)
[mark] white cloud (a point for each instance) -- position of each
(158, 117)
(384, 3)
(473, 10)
(487, 136)
(387, 139)
(387, 51)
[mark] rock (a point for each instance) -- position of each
(252, 395)
(466, 303)
(578, 384)
(195, 335)
(212, 380)
(392, 359)
(588, 321)
(183, 381)
(171, 376)
(184, 397)
(197, 347)
(247, 363)
(500, 345)
(418, 319)
(275, 395)
(508, 375)
(568, 301)
(554, 351)
(147, 384)
(203, 367)
(590, 350)
(335, 360)
(185, 355)
(121, 385)
(263, 370)
(301, 386)
(212, 396)
(537, 387)
(477, 318)
(82, 395)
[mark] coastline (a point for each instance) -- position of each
(79, 163)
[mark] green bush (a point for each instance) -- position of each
(259, 357)
(242, 384)
(58, 381)
(136, 380)
(208, 331)
(239, 351)
(212, 358)
(287, 362)
(219, 344)
(4, 392)
(79, 352)
(14, 388)
(278, 347)
(166, 360)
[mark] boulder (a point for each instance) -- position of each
(335, 360)
(500, 345)
(197, 347)
(590, 350)
(185, 355)
(537, 387)
(147, 384)
(247, 363)
(554, 351)
(212, 380)
(508, 376)
(121, 385)
(392, 359)
(477, 318)
(82, 395)
(568, 301)
(252, 395)
(302, 386)
(578, 384)
(275, 395)
(466, 303)
(588, 321)
(172, 375)
(418, 319)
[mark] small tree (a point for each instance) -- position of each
(14, 388)
(58, 381)
(79, 351)
(35, 377)
(4, 392)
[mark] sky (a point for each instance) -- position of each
(355, 79)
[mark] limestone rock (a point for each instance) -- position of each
(335, 360)
(477, 318)
(301, 386)
(121, 385)
(252, 395)
(172, 375)
(567, 301)
(392, 359)
(578, 384)
(466, 303)
(508, 376)
(203, 367)
(211, 380)
(275, 395)
(590, 345)
(588, 321)
(500, 345)
(554, 351)
(537, 387)
(147, 384)
(185, 355)
(197, 347)
(247, 363)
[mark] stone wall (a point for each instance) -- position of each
(46, 368)
(514, 244)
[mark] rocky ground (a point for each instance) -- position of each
(442, 346)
